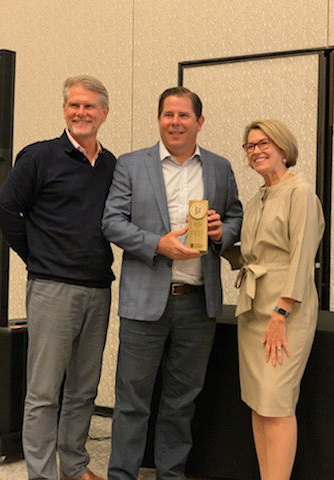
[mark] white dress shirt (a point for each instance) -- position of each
(183, 182)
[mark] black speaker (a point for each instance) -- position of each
(13, 351)
(7, 79)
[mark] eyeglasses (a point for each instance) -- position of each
(250, 147)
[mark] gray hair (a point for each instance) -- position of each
(88, 82)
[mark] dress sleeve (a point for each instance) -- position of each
(306, 226)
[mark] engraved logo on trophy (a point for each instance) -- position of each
(198, 225)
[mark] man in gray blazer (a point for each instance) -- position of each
(169, 293)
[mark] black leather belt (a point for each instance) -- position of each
(183, 288)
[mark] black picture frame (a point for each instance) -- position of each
(324, 161)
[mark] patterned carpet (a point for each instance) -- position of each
(98, 446)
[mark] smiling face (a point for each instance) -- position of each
(269, 162)
(179, 127)
(84, 113)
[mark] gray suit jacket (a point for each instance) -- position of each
(136, 217)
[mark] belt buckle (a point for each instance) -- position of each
(175, 285)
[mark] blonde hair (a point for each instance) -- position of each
(280, 135)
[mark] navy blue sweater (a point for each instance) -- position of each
(51, 206)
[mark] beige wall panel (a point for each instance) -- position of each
(331, 23)
(235, 94)
(54, 40)
(166, 33)
(106, 395)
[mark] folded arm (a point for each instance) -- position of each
(16, 196)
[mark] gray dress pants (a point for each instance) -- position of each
(180, 341)
(67, 327)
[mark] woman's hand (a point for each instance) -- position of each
(274, 340)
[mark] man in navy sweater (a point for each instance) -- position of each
(51, 206)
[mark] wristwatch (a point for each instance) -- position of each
(283, 312)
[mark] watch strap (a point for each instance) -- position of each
(281, 311)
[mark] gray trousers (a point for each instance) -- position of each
(67, 326)
(181, 342)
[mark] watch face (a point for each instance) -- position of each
(281, 311)
(197, 210)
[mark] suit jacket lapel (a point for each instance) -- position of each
(155, 175)
(209, 179)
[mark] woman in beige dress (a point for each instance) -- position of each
(278, 304)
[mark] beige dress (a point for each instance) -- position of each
(283, 225)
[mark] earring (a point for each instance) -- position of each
(284, 160)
